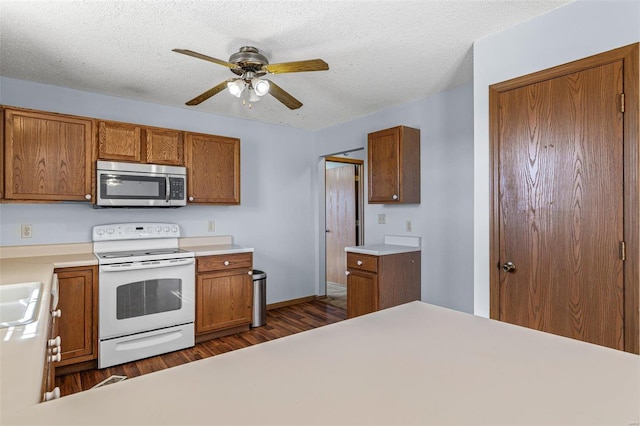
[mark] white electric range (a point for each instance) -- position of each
(146, 291)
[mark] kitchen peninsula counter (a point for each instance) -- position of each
(22, 348)
(411, 364)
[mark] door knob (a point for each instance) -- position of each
(509, 267)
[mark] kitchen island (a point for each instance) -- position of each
(411, 364)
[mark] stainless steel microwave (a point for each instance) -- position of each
(140, 185)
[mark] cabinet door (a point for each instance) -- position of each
(118, 141)
(213, 168)
(384, 165)
(78, 324)
(362, 293)
(48, 156)
(164, 146)
(394, 166)
(224, 300)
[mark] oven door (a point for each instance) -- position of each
(144, 296)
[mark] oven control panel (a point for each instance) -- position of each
(133, 231)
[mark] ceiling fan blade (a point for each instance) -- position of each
(205, 57)
(209, 93)
(284, 97)
(298, 66)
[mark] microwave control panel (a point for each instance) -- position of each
(176, 188)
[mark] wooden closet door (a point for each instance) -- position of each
(560, 189)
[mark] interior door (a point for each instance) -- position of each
(340, 205)
(561, 205)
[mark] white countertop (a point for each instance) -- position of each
(22, 349)
(380, 249)
(411, 364)
(392, 244)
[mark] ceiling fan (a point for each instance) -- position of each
(251, 66)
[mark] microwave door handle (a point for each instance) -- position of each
(167, 189)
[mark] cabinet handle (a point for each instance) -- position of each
(359, 262)
(54, 342)
(395, 197)
(57, 313)
(250, 272)
(54, 394)
(87, 197)
(190, 198)
(226, 263)
(347, 273)
(55, 358)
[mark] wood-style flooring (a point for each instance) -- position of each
(281, 322)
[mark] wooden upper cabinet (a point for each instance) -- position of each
(47, 156)
(118, 141)
(213, 169)
(138, 144)
(394, 166)
(164, 146)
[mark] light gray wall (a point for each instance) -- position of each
(444, 217)
(276, 214)
(572, 32)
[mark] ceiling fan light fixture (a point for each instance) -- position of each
(236, 87)
(261, 87)
(253, 96)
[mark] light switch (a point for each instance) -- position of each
(382, 219)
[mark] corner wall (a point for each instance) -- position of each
(444, 217)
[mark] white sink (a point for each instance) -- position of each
(19, 303)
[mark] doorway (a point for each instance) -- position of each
(564, 246)
(343, 222)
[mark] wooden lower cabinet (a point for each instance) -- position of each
(224, 294)
(380, 282)
(78, 323)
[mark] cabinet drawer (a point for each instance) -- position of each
(362, 261)
(221, 262)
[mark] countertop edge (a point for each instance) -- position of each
(379, 250)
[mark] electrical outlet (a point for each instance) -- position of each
(26, 231)
(211, 226)
(382, 219)
(408, 226)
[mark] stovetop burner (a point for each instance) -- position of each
(146, 253)
(137, 242)
(164, 251)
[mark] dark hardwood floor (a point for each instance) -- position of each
(280, 323)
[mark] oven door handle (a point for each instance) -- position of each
(150, 264)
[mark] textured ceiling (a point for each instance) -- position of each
(380, 53)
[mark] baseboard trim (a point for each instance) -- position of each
(290, 302)
(220, 333)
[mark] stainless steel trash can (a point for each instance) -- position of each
(259, 298)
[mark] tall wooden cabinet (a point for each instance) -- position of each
(394, 166)
(213, 167)
(224, 294)
(379, 282)
(47, 156)
(78, 324)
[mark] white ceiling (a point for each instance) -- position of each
(380, 53)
